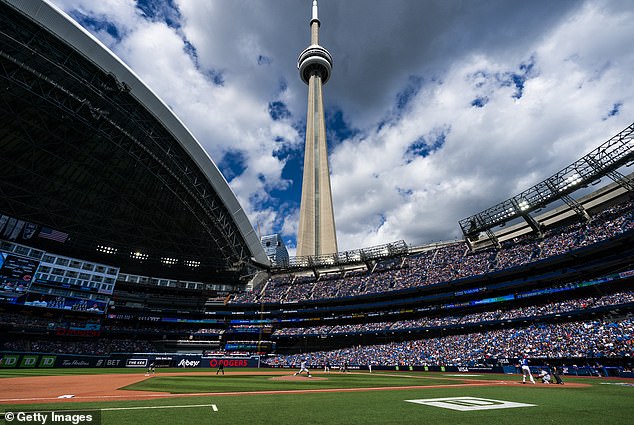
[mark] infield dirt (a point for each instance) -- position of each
(107, 387)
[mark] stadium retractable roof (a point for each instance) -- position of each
(89, 150)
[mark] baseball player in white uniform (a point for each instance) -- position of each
(303, 368)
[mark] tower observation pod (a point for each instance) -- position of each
(316, 234)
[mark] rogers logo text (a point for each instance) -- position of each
(188, 363)
(228, 363)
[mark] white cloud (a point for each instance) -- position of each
(492, 152)
(223, 117)
(582, 60)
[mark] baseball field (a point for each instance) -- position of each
(266, 396)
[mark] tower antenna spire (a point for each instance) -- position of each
(315, 16)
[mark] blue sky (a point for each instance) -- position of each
(435, 109)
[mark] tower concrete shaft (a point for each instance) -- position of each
(316, 234)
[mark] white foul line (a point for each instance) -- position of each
(183, 406)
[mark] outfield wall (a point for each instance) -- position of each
(189, 361)
(402, 368)
(133, 360)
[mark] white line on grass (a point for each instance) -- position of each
(182, 406)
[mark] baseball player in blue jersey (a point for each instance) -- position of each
(526, 370)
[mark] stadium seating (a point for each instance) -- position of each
(529, 312)
(590, 339)
(448, 263)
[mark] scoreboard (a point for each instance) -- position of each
(16, 274)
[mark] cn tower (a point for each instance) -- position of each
(316, 234)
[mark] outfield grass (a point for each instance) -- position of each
(596, 404)
(243, 383)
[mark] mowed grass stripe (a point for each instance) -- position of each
(251, 383)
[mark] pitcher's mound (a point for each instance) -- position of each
(297, 378)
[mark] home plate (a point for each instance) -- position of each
(67, 396)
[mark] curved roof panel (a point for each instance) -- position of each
(106, 160)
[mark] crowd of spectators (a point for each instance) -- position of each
(447, 263)
(30, 322)
(164, 329)
(583, 339)
(528, 312)
(34, 323)
(97, 346)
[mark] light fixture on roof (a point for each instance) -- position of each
(169, 261)
(106, 249)
(138, 255)
(570, 181)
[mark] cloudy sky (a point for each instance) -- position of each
(436, 109)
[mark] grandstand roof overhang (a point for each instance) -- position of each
(88, 149)
(604, 160)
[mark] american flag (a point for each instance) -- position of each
(53, 234)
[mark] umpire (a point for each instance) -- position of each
(555, 373)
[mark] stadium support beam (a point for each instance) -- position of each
(617, 177)
(621, 180)
(370, 265)
(576, 207)
(537, 228)
(493, 238)
(470, 245)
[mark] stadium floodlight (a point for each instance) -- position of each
(192, 263)
(169, 261)
(569, 182)
(524, 205)
(138, 255)
(107, 249)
